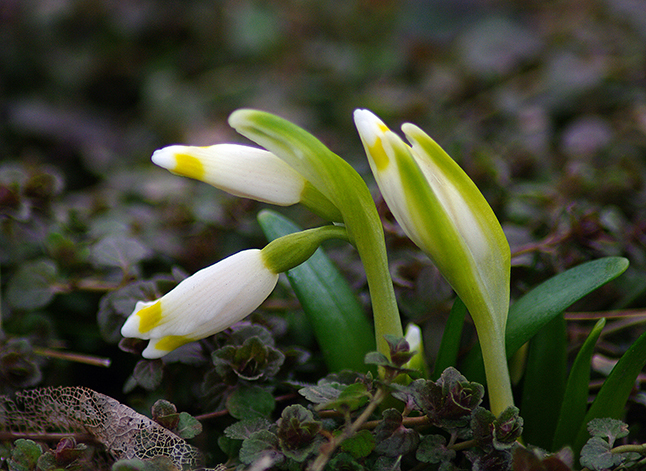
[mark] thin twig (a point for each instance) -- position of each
(47, 437)
(70, 356)
(325, 455)
(594, 315)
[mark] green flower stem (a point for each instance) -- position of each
(382, 294)
(494, 357)
(316, 202)
(342, 185)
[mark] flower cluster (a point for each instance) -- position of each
(434, 201)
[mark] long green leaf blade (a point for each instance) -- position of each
(450, 344)
(550, 298)
(575, 400)
(613, 395)
(342, 329)
(544, 383)
(536, 308)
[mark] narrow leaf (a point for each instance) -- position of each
(342, 329)
(450, 344)
(544, 383)
(575, 400)
(555, 295)
(614, 393)
(537, 307)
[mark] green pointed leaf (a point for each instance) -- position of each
(544, 383)
(342, 329)
(537, 307)
(24, 455)
(432, 449)
(575, 399)
(243, 429)
(360, 444)
(321, 393)
(450, 346)
(613, 395)
(298, 432)
(259, 444)
(392, 438)
(608, 429)
(543, 303)
(596, 455)
(351, 398)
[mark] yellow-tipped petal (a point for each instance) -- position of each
(372, 131)
(159, 348)
(189, 166)
(145, 317)
(243, 171)
(149, 317)
(203, 304)
(444, 213)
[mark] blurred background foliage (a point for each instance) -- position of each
(542, 103)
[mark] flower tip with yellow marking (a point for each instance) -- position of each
(370, 127)
(165, 157)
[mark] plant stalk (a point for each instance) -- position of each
(494, 357)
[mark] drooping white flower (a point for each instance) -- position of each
(243, 171)
(203, 304)
(247, 172)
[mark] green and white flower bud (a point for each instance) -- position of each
(247, 172)
(218, 296)
(444, 213)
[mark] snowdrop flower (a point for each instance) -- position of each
(218, 296)
(246, 172)
(444, 213)
(203, 304)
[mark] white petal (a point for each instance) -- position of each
(131, 327)
(218, 296)
(205, 303)
(243, 171)
(370, 127)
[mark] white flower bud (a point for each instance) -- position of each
(203, 304)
